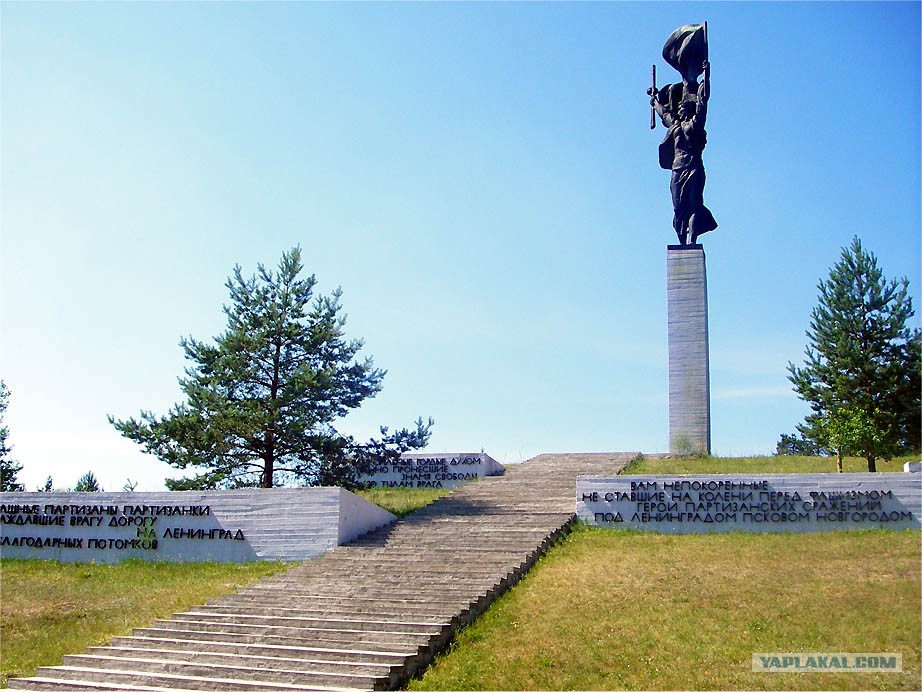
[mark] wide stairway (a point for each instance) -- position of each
(366, 616)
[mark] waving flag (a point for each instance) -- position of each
(687, 49)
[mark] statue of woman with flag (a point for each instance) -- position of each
(682, 108)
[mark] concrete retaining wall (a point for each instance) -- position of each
(797, 503)
(434, 470)
(289, 524)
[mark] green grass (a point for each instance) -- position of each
(780, 464)
(48, 609)
(612, 609)
(402, 501)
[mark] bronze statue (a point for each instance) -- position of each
(682, 108)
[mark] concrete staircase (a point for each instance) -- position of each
(366, 616)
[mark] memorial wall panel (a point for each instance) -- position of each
(756, 503)
(289, 524)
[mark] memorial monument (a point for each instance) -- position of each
(437, 471)
(682, 109)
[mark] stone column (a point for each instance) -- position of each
(689, 378)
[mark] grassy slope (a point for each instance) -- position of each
(782, 464)
(625, 610)
(402, 501)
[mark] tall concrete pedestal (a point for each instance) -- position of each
(689, 376)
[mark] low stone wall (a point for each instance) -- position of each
(288, 524)
(797, 503)
(433, 471)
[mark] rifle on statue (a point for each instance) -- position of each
(653, 96)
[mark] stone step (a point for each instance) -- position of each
(312, 608)
(246, 656)
(405, 554)
(38, 683)
(401, 626)
(410, 547)
(462, 598)
(409, 645)
(304, 634)
(334, 600)
(423, 563)
(411, 582)
(410, 551)
(316, 584)
(442, 600)
(468, 532)
(453, 598)
(361, 577)
(443, 544)
(360, 657)
(409, 586)
(465, 505)
(172, 681)
(510, 523)
(474, 527)
(237, 668)
(420, 572)
(436, 550)
(434, 546)
(406, 541)
(408, 556)
(416, 583)
(358, 612)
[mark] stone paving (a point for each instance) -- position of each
(366, 616)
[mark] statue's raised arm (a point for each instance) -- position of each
(704, 89)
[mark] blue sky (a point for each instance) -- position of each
(479, 178)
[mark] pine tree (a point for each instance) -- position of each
(9, 469)
(263, 398)
(861, 375)
(87, 483)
